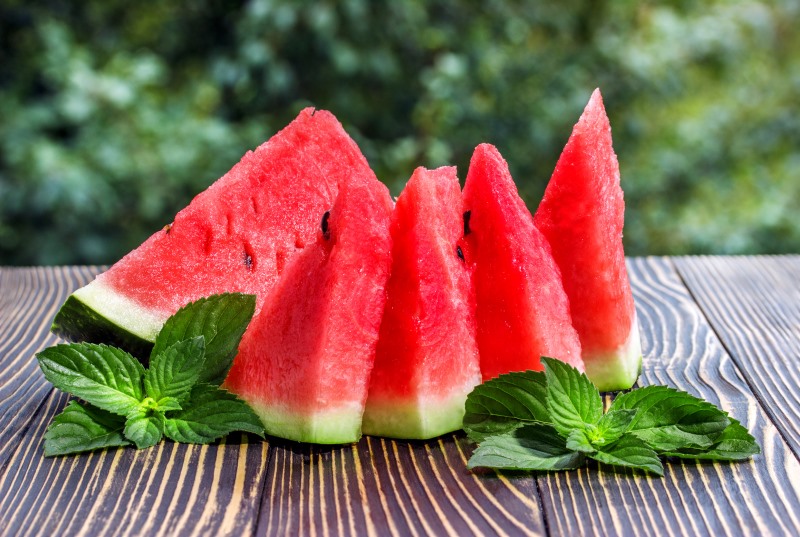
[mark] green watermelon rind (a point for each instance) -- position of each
(97, 314)
(618, 369)
(421, 420)
(332, 426)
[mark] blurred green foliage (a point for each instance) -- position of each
(114, 114)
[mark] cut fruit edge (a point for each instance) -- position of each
(340, 425)
(422, 419)
(99, 314)
(617, 369)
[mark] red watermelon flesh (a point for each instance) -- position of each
(582, 215)
(306, 366)
(240, 232)
(427, 359)
(241, 235)
(522, 310)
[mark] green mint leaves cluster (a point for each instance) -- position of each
(178, 396)
(554, 420)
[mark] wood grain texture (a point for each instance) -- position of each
(758, 497)
(170, 489)
(753, 303)
(384, 487)
(245, 486)
(29, 299)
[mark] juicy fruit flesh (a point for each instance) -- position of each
(239, 234)
(426, 360)
(305, 368)
(522, 310)
(242, 235)
(582, 214)
(267, 228)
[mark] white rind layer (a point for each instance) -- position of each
(618, 369)
(121, 310)
(332, 426)
(420, 419)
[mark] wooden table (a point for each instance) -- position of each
(725, 328)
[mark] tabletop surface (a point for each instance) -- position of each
(724, 328)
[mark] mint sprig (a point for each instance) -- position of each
(668, 419)
(572, 400)
(178, 396)
(506, 403)
(554, 420)
(221, 320)
(210, 413)
(531, 447)
(631, 452)
(176, 369)
(83, 428)
(103, 376)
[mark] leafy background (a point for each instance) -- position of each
(114, 114)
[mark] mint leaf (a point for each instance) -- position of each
(504, 403)
(221, 320)
(83, 428)
(508, 417)
(531, 447)
(670, 420)
(631, 452)
(735, 444)
(104, 376)
(612, 426)
(578, 440)
(166, 404)
(175, 370)
(211, 413)
(144, 427)
(196, 345)
(609, 428)
(572, 399)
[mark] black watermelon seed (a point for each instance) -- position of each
(248, 261)
(467, 216)
(460, 253)
(326, 233)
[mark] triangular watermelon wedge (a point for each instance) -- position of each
(582, 215)
(522, 309)
(252, 231)
(306, 364)
(426, 362)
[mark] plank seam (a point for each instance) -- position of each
(545, 521)
(735, 359)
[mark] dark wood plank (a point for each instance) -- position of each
(170, 489)
(29, 299)
(759, 497)
(753, 303)
(384, 487)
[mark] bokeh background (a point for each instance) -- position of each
(114, 114)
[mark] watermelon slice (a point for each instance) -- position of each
(306, 365)
(582, 215)
(522, 309)
(244, 234)
(426, 360)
